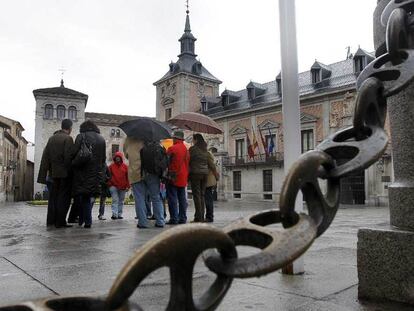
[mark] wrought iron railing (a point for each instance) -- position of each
(275, 158)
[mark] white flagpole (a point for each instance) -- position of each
(290, 100)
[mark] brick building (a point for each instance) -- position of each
(327, 99)
(14, 174)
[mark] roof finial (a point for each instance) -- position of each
(62, 72)
(188, 11)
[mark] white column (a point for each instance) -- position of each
(290, 100)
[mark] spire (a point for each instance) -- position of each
(187, 39)
(61, 83)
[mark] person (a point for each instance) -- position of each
(177, 179)
(154, 164)
(55, 163)
(200, 163)
(118, 184)
(104, 194)
(132, 151)
(212, 178)
(88, 176)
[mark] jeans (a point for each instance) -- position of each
(208, 196)
(86, 203)
(102, 200)
(198, 188)
(148, 205)
(151, 185)
(118, 197)
(174, 194)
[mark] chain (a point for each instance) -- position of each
(346, 152)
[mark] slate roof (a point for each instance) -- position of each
(342, 76)
(107, 119)
(60, 91)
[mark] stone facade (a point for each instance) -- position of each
(327, 100)
(13, 161)
(74, 104)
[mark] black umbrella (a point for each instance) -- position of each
(147, 129)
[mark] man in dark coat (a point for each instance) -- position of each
(88, 177)
(55, 165)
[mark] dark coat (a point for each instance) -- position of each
(56, 158)
(88, 178)
(198, 161)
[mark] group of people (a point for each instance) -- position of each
(77, 170)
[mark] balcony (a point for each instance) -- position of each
(274, 159)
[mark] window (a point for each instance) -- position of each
(267, 184)
(271, 147)
(307, 140)
(118, 133)
(251, 94)
(48, 111)
(237, 181)
(72, 113)
(316, 75)
(115, 149)
(359, 64)
(168, 113)
(239, 148)
(112, 132)
(61, 112)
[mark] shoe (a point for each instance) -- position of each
(150, 217)
(120, 217)
(64, 226)
(100, 217)
(195, 221)
(135, 217)
(87, 226)
(114, 217)
(142, 227)
(171, 223)
(182, 222)
(159, 226)
(209, 220)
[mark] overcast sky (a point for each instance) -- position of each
(114, 50)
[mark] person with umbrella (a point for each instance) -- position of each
(143, 176)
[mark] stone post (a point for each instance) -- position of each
(386, 253)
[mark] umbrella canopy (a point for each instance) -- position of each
(196, 122)
(146, 129)
(167, 143)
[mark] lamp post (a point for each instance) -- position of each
(290, 100)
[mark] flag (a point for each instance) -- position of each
(255, 143)
(264, 142)
(271, 144)
(250, 150)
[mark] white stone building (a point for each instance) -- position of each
(58, 103)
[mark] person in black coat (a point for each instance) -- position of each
(88, 177)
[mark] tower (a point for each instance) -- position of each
(52, 106)
(186, 81)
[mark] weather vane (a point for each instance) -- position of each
(62, 73)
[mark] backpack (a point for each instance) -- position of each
(84, 154)
(154, 159)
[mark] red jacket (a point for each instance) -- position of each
(179, 160)
(119, 173)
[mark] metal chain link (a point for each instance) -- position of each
(346, 152)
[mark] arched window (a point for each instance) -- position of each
(118, 133)
(72, 113)
(61, 112)
(112, 132)
(48, 111)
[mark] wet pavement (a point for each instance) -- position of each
(36, 262)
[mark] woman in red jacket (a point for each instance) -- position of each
(118, 184)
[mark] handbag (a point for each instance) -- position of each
(84, 154)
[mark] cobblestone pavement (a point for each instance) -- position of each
(36, 262)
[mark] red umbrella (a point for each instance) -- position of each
(196, 122)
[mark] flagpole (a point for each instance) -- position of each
(290, 102)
